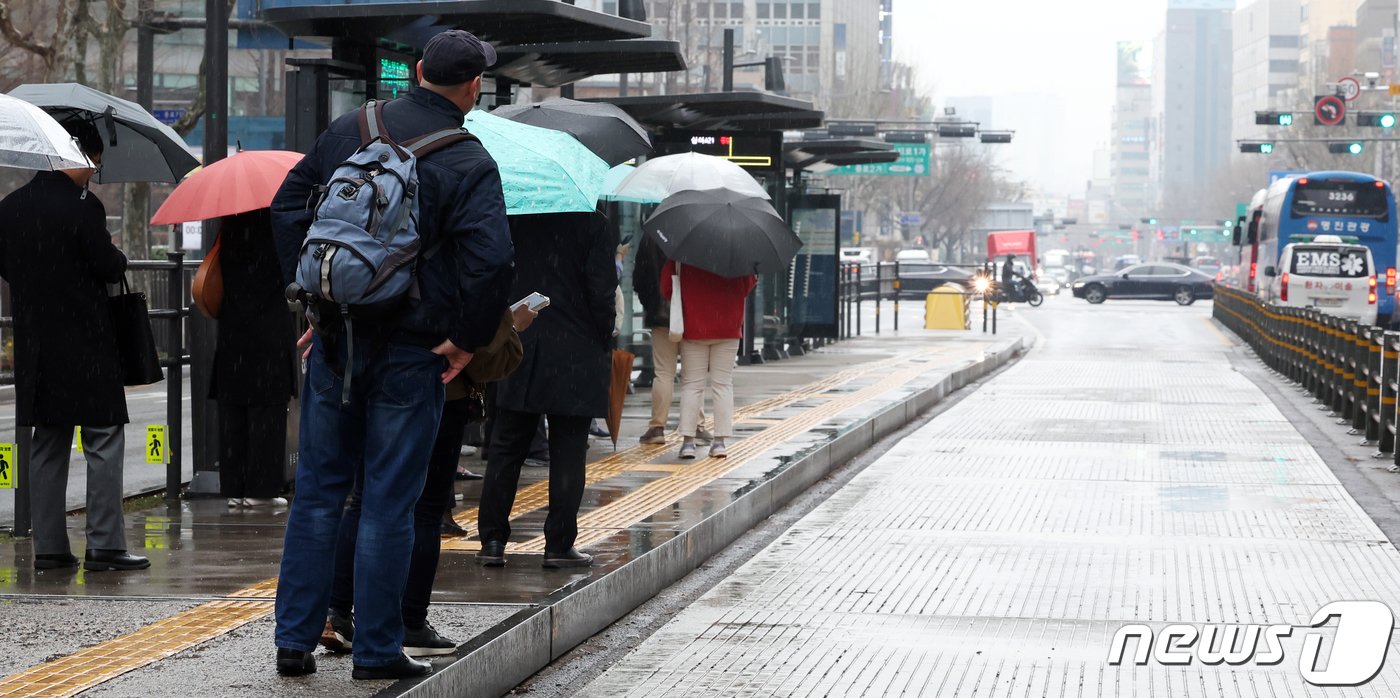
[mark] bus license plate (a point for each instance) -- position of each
(1328, 302)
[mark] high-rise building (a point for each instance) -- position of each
(1129, 176)
(1318, 17)
(1191, 100)
(1266, 48)
(831, 50)
(1376, 22)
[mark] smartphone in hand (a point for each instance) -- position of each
(535, 301)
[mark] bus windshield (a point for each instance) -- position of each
(1324, 198)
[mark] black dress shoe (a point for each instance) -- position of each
(463, 475)
(450, 527)
(404, 667)
(492, 554)
(569, 558)
(55, 561)
(295, 662)
(103, 560)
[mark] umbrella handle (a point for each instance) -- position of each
(111, 126)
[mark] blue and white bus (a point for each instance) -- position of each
(1347, 204)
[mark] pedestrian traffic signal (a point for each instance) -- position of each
(1376, 119)
(1273, 118)
(1257, 147)
(1346, 148)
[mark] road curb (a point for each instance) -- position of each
(510, 652)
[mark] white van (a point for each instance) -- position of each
(1328, 273)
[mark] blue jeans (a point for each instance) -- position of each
(389, 425)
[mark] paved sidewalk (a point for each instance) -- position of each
(648, 516)
(1123, 472)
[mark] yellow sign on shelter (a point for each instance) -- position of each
(155, 443)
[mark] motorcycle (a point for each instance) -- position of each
(1019, 292)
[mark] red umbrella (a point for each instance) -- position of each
(240, 183)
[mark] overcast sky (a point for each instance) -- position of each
(1006, 47)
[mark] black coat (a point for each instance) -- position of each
(58, 257)
(462, 213)
(646, 281)
(568, 361)
(253, 364)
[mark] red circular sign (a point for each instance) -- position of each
(1312, 225)
(1351, 88)
(1330, 110)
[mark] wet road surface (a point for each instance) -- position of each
(1124, 472)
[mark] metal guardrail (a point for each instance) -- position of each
(168, 301)
(1350, 368)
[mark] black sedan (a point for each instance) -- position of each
(1154, 281)
(916, 279)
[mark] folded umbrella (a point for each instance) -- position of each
(30, 139)
(542, 171)
(661, 177)
(139, 147)
(617, 390)
(243, 182)
(724, 232)
(603, 128)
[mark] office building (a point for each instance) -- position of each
(1266, 54)
(1191, 100)
(1130, 180)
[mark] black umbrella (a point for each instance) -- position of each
(604, 128)
(724, 232)
(139, 148)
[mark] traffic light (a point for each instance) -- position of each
(1376, 119)
(1346, 147)
(1273, 118)
(1257, 147)
(1149, 221)
(996, 136)
(958, 130)
(906, 137)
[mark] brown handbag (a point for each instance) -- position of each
(208, 287)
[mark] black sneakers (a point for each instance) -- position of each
(295, 662)
(339, 634)
(426, 642)
(404, 667)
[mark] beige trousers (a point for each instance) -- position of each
(708, 361)
(664, 353)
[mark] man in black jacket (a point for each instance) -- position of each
(58, 257)
(397, 369)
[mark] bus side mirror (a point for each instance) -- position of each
(1270, 272)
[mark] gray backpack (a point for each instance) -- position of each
(362, 251)
(360, 258)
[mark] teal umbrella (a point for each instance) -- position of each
(614, 181)
(542, 171)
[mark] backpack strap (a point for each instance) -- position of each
(374, 128)
(430, 143)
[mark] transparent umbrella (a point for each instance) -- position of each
(30, 139)
(661, 177)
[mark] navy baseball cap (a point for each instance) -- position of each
(456, 56)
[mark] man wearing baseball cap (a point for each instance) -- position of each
(388, 426)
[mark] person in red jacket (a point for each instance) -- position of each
(713, 309)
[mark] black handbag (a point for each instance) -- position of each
(136, 344)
